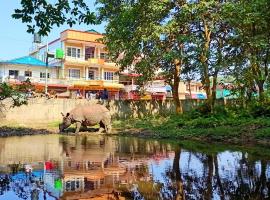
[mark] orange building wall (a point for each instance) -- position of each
(80, 36)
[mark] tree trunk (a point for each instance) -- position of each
(207, 88)
(214, 92)
(176, 82)
(260, 84)
(204, 59)
(180, 194)
(189, 88)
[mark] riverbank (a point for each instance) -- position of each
(224, 130)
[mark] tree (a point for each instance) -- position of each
(209, 47)
(251, 38)
(151, 34)
(41, 15)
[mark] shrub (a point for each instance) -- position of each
(259, 109)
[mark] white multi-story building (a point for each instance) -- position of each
(17, 70)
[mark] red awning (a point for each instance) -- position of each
(131, 74)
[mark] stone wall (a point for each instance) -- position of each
(45, 111)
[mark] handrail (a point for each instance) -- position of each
(64, 81)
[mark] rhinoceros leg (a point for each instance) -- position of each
(107, 125)
(109, 128)
(102, 126)
(78, 126)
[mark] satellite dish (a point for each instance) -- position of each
(37, 38)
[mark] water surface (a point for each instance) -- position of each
(98, 167)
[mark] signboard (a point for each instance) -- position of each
(58, 184)
(59, 53)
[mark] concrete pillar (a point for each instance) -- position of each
(102, 165)
(62, 69)
(83, 52)
(86, 73)
(95, 52)
(98, 52)
(102, 74)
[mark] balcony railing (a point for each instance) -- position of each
(64, 81)
(90, 58)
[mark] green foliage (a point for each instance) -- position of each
(8, 92)
(259, 109)
(229, 124)
(41, 15)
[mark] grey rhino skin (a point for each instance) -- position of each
(89, 115)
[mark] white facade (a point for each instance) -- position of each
(14, 72)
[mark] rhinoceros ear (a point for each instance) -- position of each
(62, 114)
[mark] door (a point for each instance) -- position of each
(89, 52)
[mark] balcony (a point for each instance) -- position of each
(75, 83)
(91, 62)
(73, 35)
(96, 61)
(76, 60)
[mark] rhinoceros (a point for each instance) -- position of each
(89, 115)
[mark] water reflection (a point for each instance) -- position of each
(97, 167)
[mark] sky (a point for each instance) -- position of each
(15, 42)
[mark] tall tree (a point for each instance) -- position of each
(210, 33)
(251, 38)
(151, 34)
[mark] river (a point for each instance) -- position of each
(98, 167)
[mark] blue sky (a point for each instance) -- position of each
(15, 41)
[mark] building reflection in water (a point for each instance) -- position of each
(97, 167)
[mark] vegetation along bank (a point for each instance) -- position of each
(233, 124)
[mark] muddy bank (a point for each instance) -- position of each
(6, 131)
(245, 138)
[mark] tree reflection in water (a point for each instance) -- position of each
(240, 178)
(132, 168)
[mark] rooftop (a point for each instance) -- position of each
(26, 60)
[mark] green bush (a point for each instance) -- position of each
(259, 109)
(210, 122)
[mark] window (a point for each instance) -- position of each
(13, 73)
(108, 75)
(43, 75)
(74, 73)
(28, 74)
(103, 56)
(91, 75)
(78, 53)
(73, 52)
(68, 51)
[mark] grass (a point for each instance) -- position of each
(230, 129)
